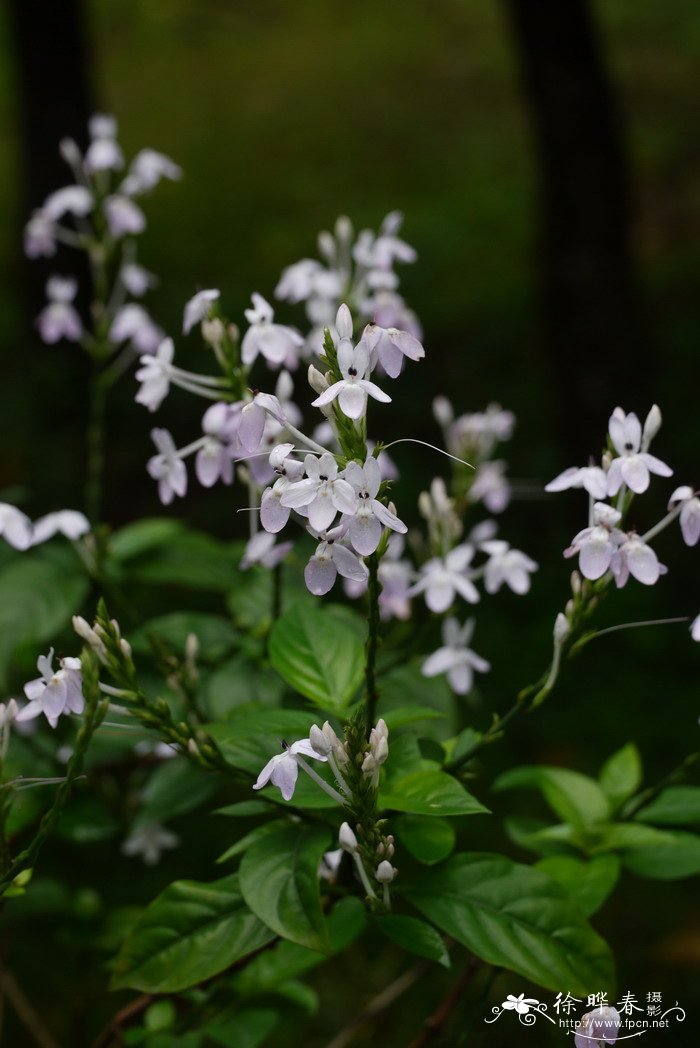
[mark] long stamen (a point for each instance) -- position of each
(319, 781)
(440, 451)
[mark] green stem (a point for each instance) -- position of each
(647, 796)
(373, 591)
(95, 440)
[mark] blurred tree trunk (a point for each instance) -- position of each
(594, 339)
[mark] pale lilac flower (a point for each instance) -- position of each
(15, 527)
(690, 513)
(147, 169)
(346, 838)
(103, 153)
(149, 840)
(214, 459)
(133, 324)
(391, 346)
(282, 770)
(388, 310)
(198, 308)
(39, 239)
(54, 693)
(352, 390)
(633, 466)
(60, 319)
(371, 516)
(478, 433)
(70, 200)
(444, 577)
(506, 565)
(592, 478)
(331, 559)
(68, 522)
(596, 545)
(167, 467)
(261, 549)
(155, 375)
(279, 344)
(455, 657)
(124, 217)
(695, 628)
(383, 250)
(596, 1028)
(490, 486)
(136, 279)
(322, 494)
(635, 558)
(274, 515)
(395, 576)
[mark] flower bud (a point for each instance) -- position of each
(569, 607)
(68, 149)
(326, 246)
(319, 741)
(191, 647)
(233, 332)
(385, 872)
(8, 712)
(317, 381)
(652, 425)
(125, 647)
(442, 411)
(575, 583)
(213, 331)
(347, 839)
(562, 628)
(343, 229)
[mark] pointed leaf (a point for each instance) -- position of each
(621, 775)
(415, 936)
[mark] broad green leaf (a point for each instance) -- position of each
(620, 835)
(429, 792)
(279, 882)
(174, 788)
(514, 917)
(245, 842)
(621, 775)
(251, 599)
(317, 656)
(428, 840)
(133, 540)
(415, 936)
(238, 682)
(461, 744)
(575, 798)
(535, 835)
(38, 595)
(675, 855)
(675, 806)
(587, 883)
(244, 809)
(247, 1028)
(402, 715)
(287, 961)
(215, 634)
(189, 933)
(189, 559)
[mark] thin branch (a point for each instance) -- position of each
(379, 1004)
(24, 1011)
(435, 1023)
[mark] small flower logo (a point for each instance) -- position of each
(520, 1004)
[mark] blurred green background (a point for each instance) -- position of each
(284, 115)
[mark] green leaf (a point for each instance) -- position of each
(674, 855)
(215, 634)
(143, 537)
(535, 835)
(428, 840)
(317, 656)
(38, 595)
(675, 806)
(279, 882)
(248, 1028)
(587, 883)
(402, 715)
(245, 842)
(244, 809)
(429, 792)
(174, 788)
(621, 775)
(189, 933)
(237, 683)
(189, 559)
(575, 798)
(415, 936)
(514, 917)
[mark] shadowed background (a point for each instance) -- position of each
(546, 157)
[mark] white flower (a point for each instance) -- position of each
(391, 346)
(633, 466)
(490, 486)
(597, 544)
(103, 153)
(124, 217)
(136, 279)
(68, 522)
(455, 658)
(198, 308)
(365, 527)
(325, 741)
(146, 170)
(695, 628)
(148, 840)
(54, 693)
(354, 363)
(395, 576)
(331, 559)
(74, 200)
(282, 770)
(261, 549)
(322, 494)
(15, 527)
(690, 513)
(347, 839)
(60, 319)
(506, 565)
(592, 478)
(39, 240)
(443, 577)
(383, 250)
(273, 515)
(155, 375)
(279, 344)
(330, 864)
(635, 558)
(167, 467)
(479, 432)
(133, 324)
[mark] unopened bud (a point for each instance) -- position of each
(442, 411)
(193, 748)
(233, 332)
(191, 647)
(569, 607)
(319, 741)
(575, 583)
(385, 872)
(70, 152)
(652, 425)
(562, 628)
(125, 647)
(213, 331)
(316, 380)
(347, 839)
